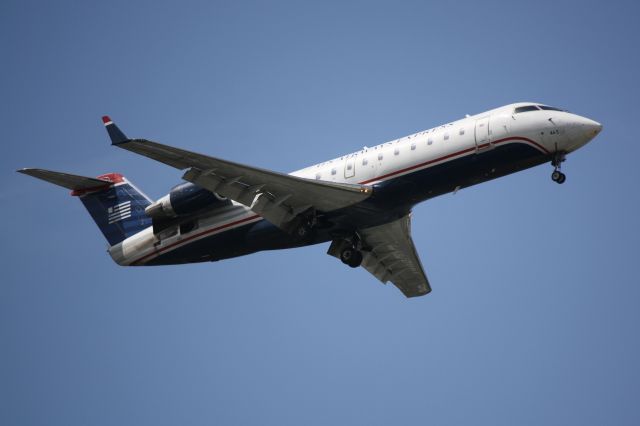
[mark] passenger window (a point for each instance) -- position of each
(364, 162)
(430, 141)
(461, 132)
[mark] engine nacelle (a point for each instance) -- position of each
(183, 200)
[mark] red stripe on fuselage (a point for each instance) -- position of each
(455, 154)
(210, 231)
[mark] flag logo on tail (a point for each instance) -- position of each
(119, 212)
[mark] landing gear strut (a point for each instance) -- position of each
(557, 176)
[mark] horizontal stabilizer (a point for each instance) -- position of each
(66, 180)
(113, 202)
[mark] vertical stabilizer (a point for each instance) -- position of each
(113, 202)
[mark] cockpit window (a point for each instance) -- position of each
(549, 108)
(526, 108)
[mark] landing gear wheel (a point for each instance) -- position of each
(562, 178)
(347, 254)
(303, 228)
(558, 158)
(558, 177)
(356, 260)
(302, 231)
(352, 257)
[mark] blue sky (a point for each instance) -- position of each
(533, 315)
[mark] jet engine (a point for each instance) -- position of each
(183, 200)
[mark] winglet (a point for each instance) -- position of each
(116, 135)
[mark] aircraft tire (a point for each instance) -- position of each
(356, 260)
(347, 254)
(302, 232)
(562, 178)
(352, 257)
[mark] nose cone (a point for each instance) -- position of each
(582, 130)
(589, 127)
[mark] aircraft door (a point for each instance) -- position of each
(483, 138)
(350, 167)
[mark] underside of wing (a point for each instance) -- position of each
(388, 253)
(280, 198)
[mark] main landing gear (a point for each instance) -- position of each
(303, 230)
(351, 253)
(557, 176)
(304, 227)
(351, 256)
(347, 247)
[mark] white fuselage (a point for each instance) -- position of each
(549, 131)
(552, 130)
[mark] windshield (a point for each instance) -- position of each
(525, 108)
(550, 108)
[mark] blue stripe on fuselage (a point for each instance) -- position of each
(392, 199)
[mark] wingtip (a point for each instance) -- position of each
(29, 171)
(115, 134)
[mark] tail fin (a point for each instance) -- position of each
(114, 203)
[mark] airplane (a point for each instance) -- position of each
(360, 202)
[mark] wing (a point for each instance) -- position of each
(278, 197)
(389, 255)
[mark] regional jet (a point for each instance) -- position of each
(360, 202)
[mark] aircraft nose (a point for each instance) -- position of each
(587, 127)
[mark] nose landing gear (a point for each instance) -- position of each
(557, 176)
